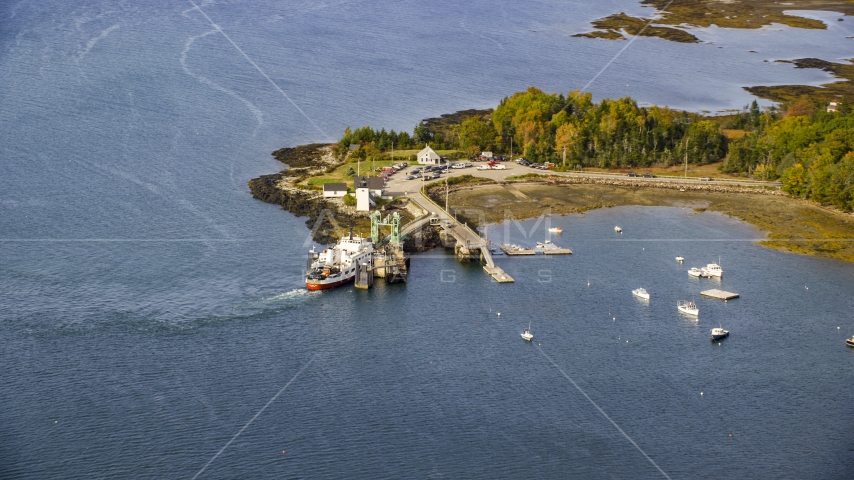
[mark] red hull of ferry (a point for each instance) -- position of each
(325, 286)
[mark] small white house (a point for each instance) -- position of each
(832, 107)
(428, 156)
(486, 155)
(334, 190)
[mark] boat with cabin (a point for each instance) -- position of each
(556, 230)
(641, 293)
(618, 229)
(849, 342)
(713, 270)
(680, 259)
(719, 333)
(337, 265)
(687, 307)
(695, 272)
(526, 335)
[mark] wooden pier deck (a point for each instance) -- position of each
(719, 294)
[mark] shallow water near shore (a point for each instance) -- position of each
(150, 308)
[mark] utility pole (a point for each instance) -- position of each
(686, 157)
(446, 193)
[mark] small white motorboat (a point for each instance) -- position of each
(695, 272)
(849, 342)
(618, 229)
(719, 333)
(641, 293)
(680, 259)
(526, 335)
(556, 230)
(687, 307)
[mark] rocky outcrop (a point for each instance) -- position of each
(426, 238)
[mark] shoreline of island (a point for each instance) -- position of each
(792, 225)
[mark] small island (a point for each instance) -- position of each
(787, 170)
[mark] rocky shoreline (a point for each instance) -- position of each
(328, 219)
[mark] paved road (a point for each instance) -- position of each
(462, 233)
(398, 182)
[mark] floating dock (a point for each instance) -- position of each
(516, 250)
(498, 274)
(719, 294)
(552, 249)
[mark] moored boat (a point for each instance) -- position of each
(526, 335)
(337, 265)
(849, 342)
(695, 272)
(641, 293)
(555, 230)
(618, 229)
(713, 270)
(680, 259)
(687, 307)
(719, 333)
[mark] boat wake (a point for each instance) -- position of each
(289, 295)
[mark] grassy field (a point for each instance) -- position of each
(339, 175)
(790, 225)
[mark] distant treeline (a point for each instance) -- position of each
(541, 127)
(803, 145)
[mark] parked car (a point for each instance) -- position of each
(631, 174)
(483, 167)
(499, 167)
(705, 179)
(411, 177)
(648, 175)
(436, 175)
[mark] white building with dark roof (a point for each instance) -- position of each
(334, 190)
(428, 156)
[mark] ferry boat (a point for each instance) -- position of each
(641, 293)
(690, 308)
(719, 333)
(337, 265)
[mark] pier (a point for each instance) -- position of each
(469, 245)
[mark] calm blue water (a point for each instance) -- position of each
(150, 308)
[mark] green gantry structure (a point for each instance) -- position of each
(392, 221)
